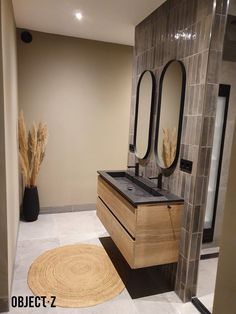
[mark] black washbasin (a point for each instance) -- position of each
(129, 181)
(137, 190)
(118, 174)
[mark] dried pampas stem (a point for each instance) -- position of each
(31, 150)
(33, 140)
(23, 169)
(166, 147)
(169, 146)
(173, 144)
(23, 148)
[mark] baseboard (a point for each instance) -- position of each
(4, 305)
(67, 208)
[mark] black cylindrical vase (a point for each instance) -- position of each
(30, 204)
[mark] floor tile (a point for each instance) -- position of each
(28, 251)
(207, 276)
(43, 228)
(91, 237)
(53, 230)
(78, 222)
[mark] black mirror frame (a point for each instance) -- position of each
(151, 115)
(168, 171)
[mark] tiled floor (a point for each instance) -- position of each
(53, 230)
(207, 281)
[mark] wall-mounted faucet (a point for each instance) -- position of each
(159, 180)
(136, 167)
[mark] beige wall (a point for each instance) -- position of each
(225, 301)
(82, 89)
(3, 198)
(9, 151)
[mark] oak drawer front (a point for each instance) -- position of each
(118, 234)
(159, 222)
(150, 253)
(121, 208)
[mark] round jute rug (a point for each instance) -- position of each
(78, 275)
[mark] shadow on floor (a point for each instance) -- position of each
(141, 282)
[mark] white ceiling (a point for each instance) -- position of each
(104, 20)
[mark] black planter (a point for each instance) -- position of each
(30, 204)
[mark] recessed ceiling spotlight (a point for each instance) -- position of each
(79, 15)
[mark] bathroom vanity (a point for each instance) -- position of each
(143, 221)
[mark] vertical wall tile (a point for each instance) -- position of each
(198, 130)
(187, 187)
(204, 189)
(187, 226)
(221, 7)
(204, 64)
(183, 185)
(202, 161)
(215, 59)
(207, 161)
(200, 99)
(205, 131)
(218, 33)
(196, 219)
(211, 99)
(181, 30)
(211, 129)
(194, 244)
(192, 190)
(198, 191)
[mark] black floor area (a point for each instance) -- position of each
(144, 281)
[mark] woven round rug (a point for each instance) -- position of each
(78, 275)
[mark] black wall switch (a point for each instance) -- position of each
(186, 165)
(131, 148)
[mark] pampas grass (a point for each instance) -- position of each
(32, 147)
(173, 144)
(169, 146)
(23, 149)
(166, 147)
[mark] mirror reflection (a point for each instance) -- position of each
(172, 87)
(143, 115)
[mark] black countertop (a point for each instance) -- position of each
(138, 190)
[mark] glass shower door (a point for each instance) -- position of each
(216, 158)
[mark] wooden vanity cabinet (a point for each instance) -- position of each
(146, 235)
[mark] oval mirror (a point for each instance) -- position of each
(170, 115)
(143, 114)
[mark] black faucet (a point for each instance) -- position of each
(136, 167)
(159, 180)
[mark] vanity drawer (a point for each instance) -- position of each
(149, 252)
(146, 235)
(118, 234)
(157, 235)
(121, 208)
(162, 222)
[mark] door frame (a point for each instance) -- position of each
(208, 233)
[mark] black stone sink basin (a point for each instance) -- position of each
(123, 177)
(137, 190)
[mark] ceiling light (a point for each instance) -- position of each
(79, 15)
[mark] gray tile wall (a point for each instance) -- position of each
(155, 45)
